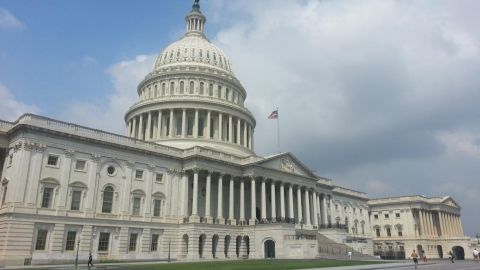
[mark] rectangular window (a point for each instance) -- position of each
(397, 215)
(389, 232)
(52, 160)
(136, 206)
(76, 197)
(132, 245)
(138, 174)
(70, 243)
(386, 216)
(103, 241)
(80, 165)
(400, 233)
(156, 207)
(41, 242)
(377, 232)
(159, 177)
(375, 216)
(154, 243)
(47, 197)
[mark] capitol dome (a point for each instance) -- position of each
(192, 97)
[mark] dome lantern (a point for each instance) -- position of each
(195, 20)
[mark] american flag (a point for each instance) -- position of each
(273, 115)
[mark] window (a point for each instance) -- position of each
(172, 88)
(375, 216)
(103, 241)
(47, 197)
(336, 206)
(157, 204)
(70, 243)
(201, 126)
(201, 86)
(386, 216)
(107, 200)
(354, 210)
(163, 89)
(397, 215)
(52, 160)
(80, 165)
(191, 87)
(400, 233)
(139, 174)
(136, 206)
(361, 210)
(389, 232)
(132, 245)
(76, 197)
(154, 242)
(10, 160)
(377, 232)
(182, 87)
(41, 242)
(210, 90)
(159, 177)
(111, 170)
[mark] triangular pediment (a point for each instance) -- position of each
(286, 162)
(450, 202)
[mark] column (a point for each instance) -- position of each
(272, 201)
(299, 205)
(315, 209)
(447, 222)
(290, 202)
(220, 199)
(159, 124)
(282, 201)
(242, 201)
(195, 194)
(442, 222)
(149, 127)
(230, 129)
(253, 202)
(184, 123)
(264, 201)
(170, 134)
(207, 196)
(208, 125)
(195, 125)
(307, 208)
(324, 212)
(134, 128)
(239, 126)
(129, 129)
(460, 224)
(231, 195)
(245, 134)
(220, 126)
(184, 194)
(140, 128)
(420, 219)
(250, 136)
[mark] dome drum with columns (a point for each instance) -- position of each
(192, 97)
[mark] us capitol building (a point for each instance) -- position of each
(186, 184)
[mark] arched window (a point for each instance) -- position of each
(182, 87)
(219, 91)
(107, 204)
(172, 88)
(156, 91)
(192, 86)
(163, 89)
(201, 88)
(210, 89)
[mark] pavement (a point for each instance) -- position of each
(431, 265)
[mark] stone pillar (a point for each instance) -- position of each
(231, 195)
(242, 201)
(460, 225)
(239, 126)
(230, 129)
(282, 201)
(195, 195)
(220, 127)
(324, 212)
(184, 195)
(184, 123)
(299, 205)
(159, 124)
(264, 201)
(250, 136)
(208, 125)
(245, 134)
(220, 199)
(272, 201)
(170, 133)
(253, 202)
(307, 208)
(442, 223)
(195, 125)
(149, 127)
(291, 215)
(129, 129)
(207, 197)
(315, 209)
(140, 128)
(134, 128)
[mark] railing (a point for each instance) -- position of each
(335, 249)
(299, 237)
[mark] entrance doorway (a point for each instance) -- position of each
(269, 247)
(440, 251)
(459, 252)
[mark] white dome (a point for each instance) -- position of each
(193, 49)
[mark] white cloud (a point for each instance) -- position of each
(9, 21)
(465, 143)
(125, 77)
(10, 107)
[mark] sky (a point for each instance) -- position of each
(380, 96)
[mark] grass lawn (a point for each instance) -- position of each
(252, 264)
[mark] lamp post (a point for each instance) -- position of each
(478, 238)
(169, 250)
(76, 257)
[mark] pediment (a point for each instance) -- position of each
(450, 202)
(286, 162)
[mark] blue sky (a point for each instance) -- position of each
(379, 95)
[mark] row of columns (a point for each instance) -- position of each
(312, 200)
(439, 223)
(160, 124)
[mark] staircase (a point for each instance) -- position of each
(329, 249)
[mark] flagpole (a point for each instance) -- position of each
(278, 130)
